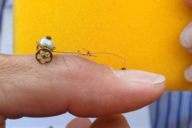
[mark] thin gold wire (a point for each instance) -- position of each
(88, 53)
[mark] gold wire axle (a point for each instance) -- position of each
(90, 54)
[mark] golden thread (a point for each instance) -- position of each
(88, 53)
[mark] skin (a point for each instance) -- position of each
(189, 2)
(76, 85)
(118, 121)
(73, 84)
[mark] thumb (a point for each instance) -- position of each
(72, 84)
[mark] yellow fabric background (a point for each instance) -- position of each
(146, 32)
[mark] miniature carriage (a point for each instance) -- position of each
(44, 50)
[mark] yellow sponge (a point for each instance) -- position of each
(145, 32)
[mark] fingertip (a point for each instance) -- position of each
(189, 2)
(115, 121)
(150, 85)
(123, 91)
(79, 123)
(188, 74)
(185, 37)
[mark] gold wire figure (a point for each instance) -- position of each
(45, 49)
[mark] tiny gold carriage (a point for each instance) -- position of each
(45, 49)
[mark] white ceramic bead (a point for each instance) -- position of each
(46, 42)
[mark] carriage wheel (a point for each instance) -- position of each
(44, 56)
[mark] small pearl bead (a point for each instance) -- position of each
(45, 42)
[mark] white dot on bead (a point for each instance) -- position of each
(44, 42)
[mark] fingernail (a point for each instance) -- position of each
(188, 74)
(186, 36)
(141, 76)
